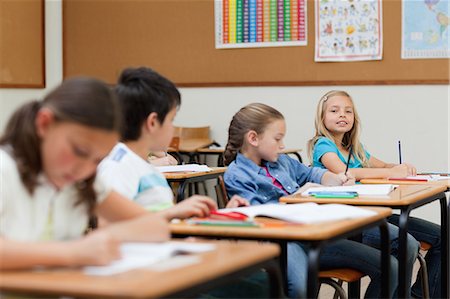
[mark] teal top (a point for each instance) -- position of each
(325, 145)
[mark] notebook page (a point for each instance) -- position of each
(306, 213)
(140, 255)
(184, 168)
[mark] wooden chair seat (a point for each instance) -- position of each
(344, 274)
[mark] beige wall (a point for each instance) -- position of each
(417, 115)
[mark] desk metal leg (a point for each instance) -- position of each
(402, 252)
(276, 284)
(385, 259)
(313, 270)
(444, 251)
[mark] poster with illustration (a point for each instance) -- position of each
(425, 32)
(348, 30)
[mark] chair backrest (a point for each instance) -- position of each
(192, 132)
(193, 138)
(221, 193)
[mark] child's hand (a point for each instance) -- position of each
(163, 161)
(97, 248)
(194, 206)
(402, 170)
(346, 179)
(411, 170)
(237, 201)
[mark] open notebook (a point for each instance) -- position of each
(140, 255)
(184, 168)
(375, 189)
(306, 213)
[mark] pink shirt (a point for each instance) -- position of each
(274, 180)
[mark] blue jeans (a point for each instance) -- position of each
(429, 232)
(372, 238)
(339, 254)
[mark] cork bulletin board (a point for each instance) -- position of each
(176, 38)
(22, 44)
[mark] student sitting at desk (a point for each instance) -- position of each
(258, 172)
(149, 104)
(49, 153)
(337, 129)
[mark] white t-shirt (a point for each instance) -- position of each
(135, 178)
(25, 217)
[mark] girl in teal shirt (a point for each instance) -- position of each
(337, 127)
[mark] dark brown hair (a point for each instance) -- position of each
(254, 117)
(84, 101)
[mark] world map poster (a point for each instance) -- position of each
(425, 29)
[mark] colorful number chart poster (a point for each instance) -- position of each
(260, 23)
(425, 29)
(348, 30)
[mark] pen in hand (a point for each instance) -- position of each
(350, 153)
(399, 152)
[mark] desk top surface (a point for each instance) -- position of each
(140, 283)
(406, 182)
(401, 196)
(276, 229)
(185, 175)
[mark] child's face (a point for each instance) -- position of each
(163, 133)
(71, 152)
(339, 117)
(270, 142)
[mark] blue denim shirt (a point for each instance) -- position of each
(243, 177)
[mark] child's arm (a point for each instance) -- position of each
(131, 222)
(378, 168)
(98, 248)
(194, 206)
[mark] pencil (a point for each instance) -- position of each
(350, 152)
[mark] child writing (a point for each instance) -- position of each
(258, 172)
(49, 153)
(149, 104)
(337, 129)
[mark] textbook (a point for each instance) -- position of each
(421, 178)
(376, 189)
(184, 168)
(141, 255)
(304, 213)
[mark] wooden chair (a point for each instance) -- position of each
(192, 139)
(342, 275)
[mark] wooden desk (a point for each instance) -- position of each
(227, 262)
(406, 198)
(316, 235)
(185, 178)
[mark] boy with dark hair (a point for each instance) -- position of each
(149, 103)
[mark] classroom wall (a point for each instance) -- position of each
(418, 115)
